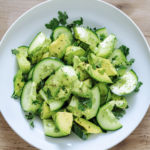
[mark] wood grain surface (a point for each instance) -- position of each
(137, 10)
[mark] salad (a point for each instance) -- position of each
(75, 80)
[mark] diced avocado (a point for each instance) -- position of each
(72, 51)
(58, 47)
(38, 47)
(73, 107)
(24, 64)
(86, 36)
(88, 83)
(63, 78)
(81, 72)
(117, 58)
(55, 112)
(18, 83)
(89, 126)
(46, 55)
(98, 74)
(121, 102)
(76, 61)
(46, 112)
(80, 89)
(105, 48)
(64, 122)
(102, 63)
(104, 92)
(83, 58)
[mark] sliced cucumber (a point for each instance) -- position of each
(90, 113)
(126, 84)
(62, 30)
(106, 118)
(117, 58)
(30, 74)
(44, 68)
(86, 36)
(80, 132)
(28, 97)
(54, 104)
(102, 33)
(50, 129)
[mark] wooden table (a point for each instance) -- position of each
(138, 11)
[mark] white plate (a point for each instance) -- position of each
(95, 14)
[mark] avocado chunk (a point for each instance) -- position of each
(22, 55)
(46, 55)
(88, 83)
(38, 47)
(76, 61)
(102, 63)
(72, 51)
(89, 126)
(81, 72)
(81, 90)
(63, 121)
(56, 111)
(45, 111)
(58, 47)
(98, 74)
(18, 83)
(105, 48)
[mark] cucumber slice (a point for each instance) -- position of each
(86, 36)
(44, 68)
(102, 33)
(30, 74)
(117, 58)
(50, 129)
(80, 132)
(54, 104)
(126, 84)
(106, 118)
(90, 113)
(28, 96)
(62, 30)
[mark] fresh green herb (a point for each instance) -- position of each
(114, 57)
(118, 112)
(124, 49)
(121, 67)
(94, 67)
(75, 43)
(81, 106)
(38, 112)
(131, 61)
(41, 84)
(53, 24)
(62, 17)
(75, 23)
(99, 64)
(102, 71)
(14, 51)
(78, 74)
(30, 116)
(63, 87)
(138, 86)
(102, 37)
(93, 30)
(49, 94)
(32, 124)
(14, 96)
(35, 102)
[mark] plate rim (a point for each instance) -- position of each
(101, 1)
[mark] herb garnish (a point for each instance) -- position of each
(14, 51)
(124, 49)
(14, 96)
(138, 86)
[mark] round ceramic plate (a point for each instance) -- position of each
(95, 14)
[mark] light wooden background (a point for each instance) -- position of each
(138, 10)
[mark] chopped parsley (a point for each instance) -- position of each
(41, 84)
(94, 67)
(93, 30)
(124, 49)
(102, 37)
(53, 24)
(14, 51)
(49, 94)
(114, 57)
(30, 116)
(118, 112)
(32, 124)
(63, 87)
(62, 17)
(78, 74)
(138, 86)
(14, 96)
(131, 61)
(35, 102)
